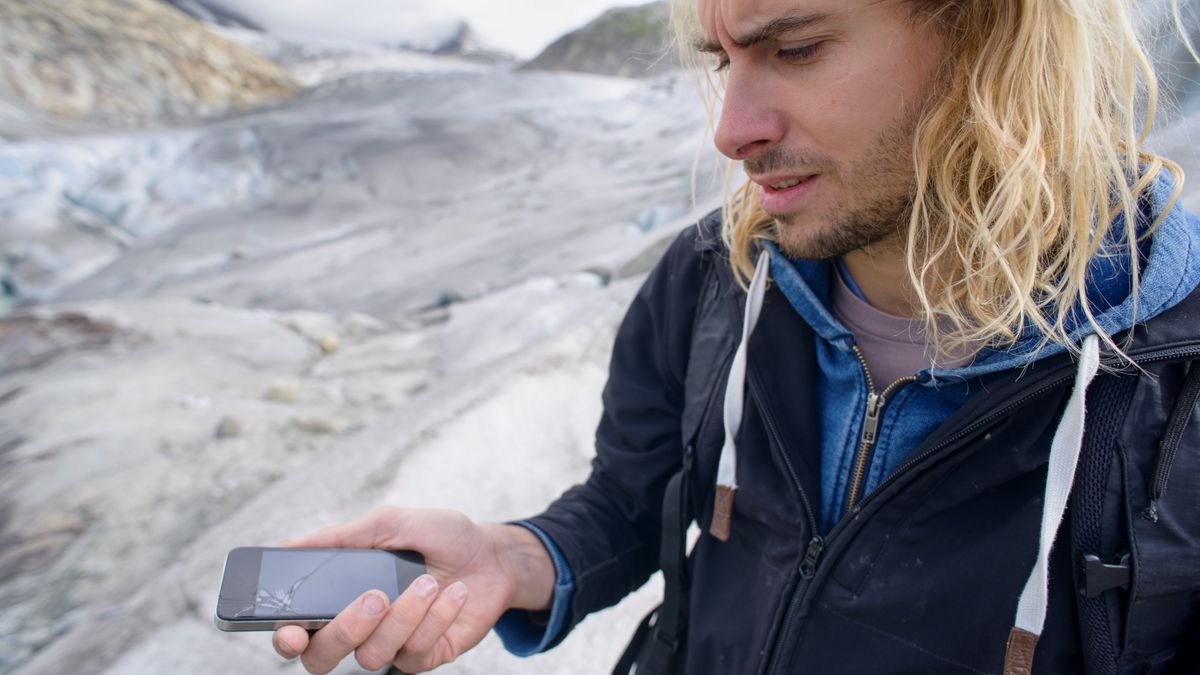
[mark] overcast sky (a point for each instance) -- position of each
(522, 28)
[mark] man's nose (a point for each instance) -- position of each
(751, 121)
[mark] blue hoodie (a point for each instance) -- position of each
(914, 410)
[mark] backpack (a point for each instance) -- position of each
(1123, 605)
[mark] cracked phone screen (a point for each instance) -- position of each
(299, 583)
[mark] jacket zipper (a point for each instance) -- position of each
(818, 545)
(773, 431)
(870, 428)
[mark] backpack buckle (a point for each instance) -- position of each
(1098, 576)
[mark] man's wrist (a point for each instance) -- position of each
(525, 561)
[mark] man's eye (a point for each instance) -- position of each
(790, 55)
(800, 54)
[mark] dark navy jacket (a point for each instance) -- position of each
(924, 575)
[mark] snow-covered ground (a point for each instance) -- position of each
(400, 288)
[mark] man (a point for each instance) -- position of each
(951, 294)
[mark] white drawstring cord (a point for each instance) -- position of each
(1064, 457)
(1060, 476)
(735, 391)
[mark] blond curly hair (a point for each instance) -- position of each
(1037, 137)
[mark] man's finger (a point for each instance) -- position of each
(418, 653)
(290, 641)
(398, 625)
(349, 629)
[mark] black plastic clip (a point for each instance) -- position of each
(1099, 576)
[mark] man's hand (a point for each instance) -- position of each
(476, 573)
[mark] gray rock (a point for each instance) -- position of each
(324, 426)
(283, 391)
(329, 343)
(626, 41)
(229, 427)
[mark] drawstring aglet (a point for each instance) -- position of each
(722, 513)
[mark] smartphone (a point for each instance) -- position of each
(267, 588)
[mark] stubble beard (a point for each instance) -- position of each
(878, 195)
(877, 225)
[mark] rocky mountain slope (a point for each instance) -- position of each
(75, 65)
(626, 41)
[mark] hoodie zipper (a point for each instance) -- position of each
(870, 428)
(775, 664)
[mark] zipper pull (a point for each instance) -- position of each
(812, 555)
(871, 422)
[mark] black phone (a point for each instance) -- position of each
(267, 588)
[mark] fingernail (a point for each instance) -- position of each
(425, 586)
(458, 591)
(285, 650)
(373, 604)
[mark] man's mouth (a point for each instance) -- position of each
(786, 193)
(781, 183)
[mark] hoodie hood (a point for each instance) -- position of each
(1166, 278)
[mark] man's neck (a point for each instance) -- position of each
(879, 272)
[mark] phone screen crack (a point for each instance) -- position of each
(280, 602)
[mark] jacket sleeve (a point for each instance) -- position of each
(608, 528)
(525, 633)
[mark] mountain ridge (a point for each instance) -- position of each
(624, 42)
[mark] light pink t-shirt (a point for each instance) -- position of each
(893, 346)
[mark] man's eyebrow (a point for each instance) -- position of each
(768, 31)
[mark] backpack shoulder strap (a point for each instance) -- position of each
(1129, 566)
(656, 645)
(711, 347)
(1095, 521)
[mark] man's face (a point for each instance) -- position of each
(821, 101)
